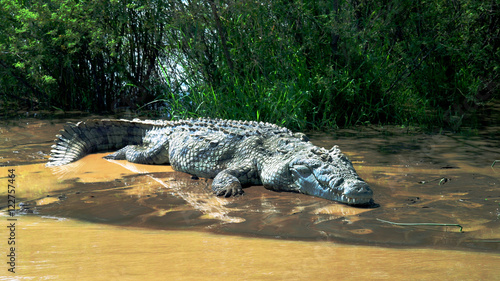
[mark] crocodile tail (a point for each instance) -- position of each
(77, 140)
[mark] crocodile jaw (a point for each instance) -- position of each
(356, 192)
(350, 190)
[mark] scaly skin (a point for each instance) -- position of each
(231, 152)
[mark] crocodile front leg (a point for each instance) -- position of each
(156, 153)
(227, 185)
(227, 182)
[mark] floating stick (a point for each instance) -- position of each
(422, 223)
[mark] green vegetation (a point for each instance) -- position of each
(302, 64)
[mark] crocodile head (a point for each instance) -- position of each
(329, 175)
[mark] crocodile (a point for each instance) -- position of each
(232, 153)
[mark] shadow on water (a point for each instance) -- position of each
(417, 178)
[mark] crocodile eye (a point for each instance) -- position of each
(301, 171)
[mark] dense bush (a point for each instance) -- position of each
(313, 64)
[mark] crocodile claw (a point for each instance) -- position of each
(232, 189)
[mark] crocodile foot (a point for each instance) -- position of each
(226, 185)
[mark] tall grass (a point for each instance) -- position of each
(306, 65)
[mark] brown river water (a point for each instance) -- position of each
(112, 220)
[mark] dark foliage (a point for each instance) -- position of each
(303, 64)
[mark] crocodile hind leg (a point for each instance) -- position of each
(156, 153)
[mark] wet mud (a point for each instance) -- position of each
(433, 190)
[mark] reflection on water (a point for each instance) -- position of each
(143, 219)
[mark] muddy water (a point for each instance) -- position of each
(116, 220)
(54, 249)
